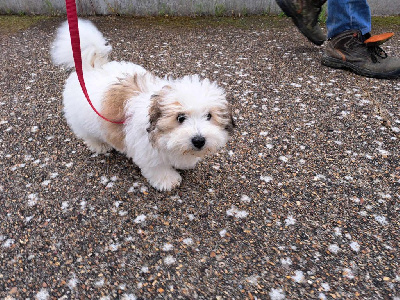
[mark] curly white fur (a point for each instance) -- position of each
(169, 124)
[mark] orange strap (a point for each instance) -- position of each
(379, 39)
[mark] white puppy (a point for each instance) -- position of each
(168, 124)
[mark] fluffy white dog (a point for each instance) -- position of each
(169, 124)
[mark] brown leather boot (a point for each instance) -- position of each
(361, 55)
(304, 14)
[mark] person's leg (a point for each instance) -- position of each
(350, 45)
(304, 14)
(346, 15)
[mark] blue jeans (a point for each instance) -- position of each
(346, 15)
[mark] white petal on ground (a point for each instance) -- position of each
(290, 220)
(266, 178)
(277, 294)
(235, 212)
(42, 295)
(140, 219)
(169, 260)
(298, 277)
(355, 246)
(128, 297)
(167, 247)
(334, 248)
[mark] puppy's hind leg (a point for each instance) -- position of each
(96, 145)
(162, 178)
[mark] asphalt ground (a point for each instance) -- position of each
(303, 202)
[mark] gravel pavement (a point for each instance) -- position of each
(303, 202)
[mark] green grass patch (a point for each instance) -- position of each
(12, 24)
(323, 15)
(244, 22)
(391, 21)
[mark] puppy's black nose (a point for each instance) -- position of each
(198, 141)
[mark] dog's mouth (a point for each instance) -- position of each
(198, 152)
(192, 152)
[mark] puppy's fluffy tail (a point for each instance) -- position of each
(94, 46)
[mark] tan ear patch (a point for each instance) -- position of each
(113, 108)
(162, 116)
(223, 117)
(158, 109)
(154, 112)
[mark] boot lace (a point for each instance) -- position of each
(375, 52)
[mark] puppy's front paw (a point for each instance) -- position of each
(97, 146)
(162, 179)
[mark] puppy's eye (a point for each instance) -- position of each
(181, 118)
(209, 117)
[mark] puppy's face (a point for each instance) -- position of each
(190, 117)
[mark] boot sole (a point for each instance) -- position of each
(290, 12)
(340, 64)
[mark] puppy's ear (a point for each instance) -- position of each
(155, 111)
(231, 123)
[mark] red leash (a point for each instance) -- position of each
(76, 49)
